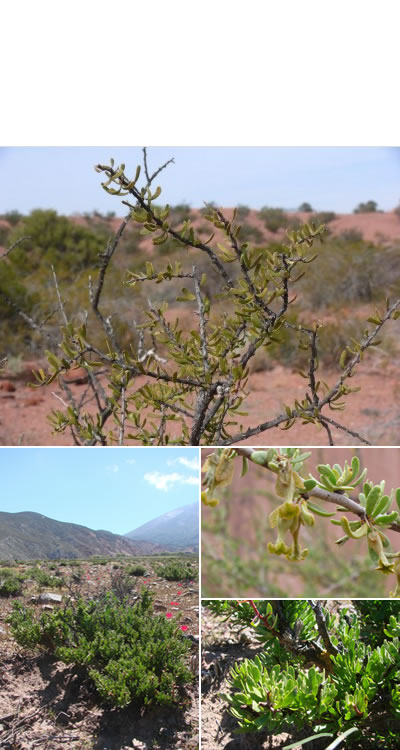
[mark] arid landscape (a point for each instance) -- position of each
(43, 704)
(356, 245)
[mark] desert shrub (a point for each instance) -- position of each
(176, 571)
(13, 217)
(181, 212)
(274, 218)
(366, 208)
(306, 207)
(250, 233)
(45, 579)
(397, 211)
(10, 585)
(317, 673)
(242, 211)
(121, 584)
(351, 235)
(136, 570)
(130, 655)
(358, 272)
(56, 240)
(324, 217)
(196, 368)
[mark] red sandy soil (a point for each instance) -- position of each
(374, 412)
(42, 707)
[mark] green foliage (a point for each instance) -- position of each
(324, 217)
(242, 211)
(232, 300)
(13, 217)
(52, 240)
(130, 655)
(136, 570)
(297, 509)
(10, 585)
(176, 571)
(274, 218)
(366, 208)
(317, 671)
(44, 579)
(306, 207)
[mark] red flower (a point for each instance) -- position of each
(179, 592)
(184, 627)
(168, 614)
(174, 604)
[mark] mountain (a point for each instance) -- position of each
(176, 530)
(31, 536)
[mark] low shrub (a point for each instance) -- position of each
(10, 586)
(130, 655)
(318, 672)
(366, 208)
(136, 570)
(176, 571)
(44, 579)
(274, 218)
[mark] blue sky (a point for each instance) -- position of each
(336, 178)
(116, 489)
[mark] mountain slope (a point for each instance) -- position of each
(177, 530)
(31, 536)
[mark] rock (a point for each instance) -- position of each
(158, 607)
(7, 386)
(139, 745)
(47, 597)
(2, 631)
(48, 607)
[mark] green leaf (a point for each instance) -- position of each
(186, 296)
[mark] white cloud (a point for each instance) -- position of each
(191, 480)
(166, 481)
(190, 463)
(114, 468)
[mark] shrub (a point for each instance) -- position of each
(306, 207)
(324, 217)
(44, 579)
(13, 217)
(136, 570)
(130, 655)
(242, 211)
(52, 239)
(195, 369)
(366, 208)
(10, 586)
(176, 571)
(274, 218)
(317, 672)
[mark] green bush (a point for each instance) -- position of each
(366, 208)
(306, 207)
(136, 570)
(44, 579)
(56, 240)
(324, 217)
(176, 571)
(130, 655)
(274, 218)
(318, 672)
(10, 585)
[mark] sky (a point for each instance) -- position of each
(331, 178)
(117, 489)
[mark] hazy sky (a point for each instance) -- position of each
(336, 178)
(116, 489)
